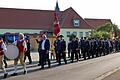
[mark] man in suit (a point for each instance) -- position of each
(38, 40)
(44, 46)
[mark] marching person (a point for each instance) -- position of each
(74, 48)
(2, 50)
(55, 45)
(27, 53)
(4, 60)
(38, 40)
(44, 47)
(21, 44)
(61, 48)
(78, 49)
(68, 48)
(5, 63)
(83, 47)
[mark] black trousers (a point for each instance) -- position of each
(79, 54)
(74, 52)
(5, 63)
(56, 53)
(92, 53)
(60, 55)
(44, 57)
(27, 54)
(69, 53)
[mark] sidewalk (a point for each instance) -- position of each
(113, 76)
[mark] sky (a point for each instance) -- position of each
(103, 9)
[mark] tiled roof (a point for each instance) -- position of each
(11, 18)
(97, 22)
(69, 15)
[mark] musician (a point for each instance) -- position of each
(21, 44)
(2, 50)
(5, 63)
(44, 47)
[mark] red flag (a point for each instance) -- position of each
(56, 24)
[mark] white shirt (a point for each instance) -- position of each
(43, 45)
(4, 47)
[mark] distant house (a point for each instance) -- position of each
(97, 23)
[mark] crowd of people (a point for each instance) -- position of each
(85, 48)
(76, 49)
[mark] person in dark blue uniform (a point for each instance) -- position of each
(87, 48)
(68, 48)
(74, 48)
(61, 48)
(82, 47)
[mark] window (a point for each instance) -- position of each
(75, 33)
(76, 22)
(81, 34)
(87, 34)
(68, 33)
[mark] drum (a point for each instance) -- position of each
(12, 52)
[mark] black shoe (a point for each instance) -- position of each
(25, 72)
(59, 64)
(84, 58)
(65, 62)
(30, 62)
(5, 75)
(14, 74)
(72, 61)
(38, 64)
(49, 66)
(5, 66)
(42, 68)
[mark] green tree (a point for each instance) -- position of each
(100, 34)
(110, 28)
(106, 28)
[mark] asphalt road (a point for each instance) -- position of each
(90, 69)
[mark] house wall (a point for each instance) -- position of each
(78, 31)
